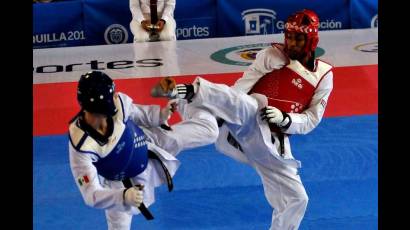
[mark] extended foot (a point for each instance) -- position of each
(167, 87)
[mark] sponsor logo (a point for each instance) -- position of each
(371, 47)
(374, 22)
(119, 176)
(120, 147)
(324, 25)
(296, 108)
(259, 21)
(297, 83)
(265, 21)
(245, 54)
(192, 32)
(139, 141)
(99, 65)
(39, 40)
(330, 24)
(116, 34)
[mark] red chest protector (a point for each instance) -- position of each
(291, 88)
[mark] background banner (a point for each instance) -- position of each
(100, 22)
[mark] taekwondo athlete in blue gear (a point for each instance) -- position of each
(119, 153)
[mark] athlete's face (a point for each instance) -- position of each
(94, 119)
(295, 44)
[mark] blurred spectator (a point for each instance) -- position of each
(152, 20)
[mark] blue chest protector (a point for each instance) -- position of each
(128, 158)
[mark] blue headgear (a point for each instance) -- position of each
(95, 93)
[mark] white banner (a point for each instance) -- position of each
(187, 57)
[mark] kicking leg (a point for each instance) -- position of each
(197, 128)
(233, 106)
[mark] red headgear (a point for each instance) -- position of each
(306, 22)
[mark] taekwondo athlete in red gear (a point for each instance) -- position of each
(283, 92)
(116, 145)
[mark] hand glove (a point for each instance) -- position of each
(274, 116)
(167, 111)
(133, 196)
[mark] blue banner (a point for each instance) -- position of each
(58, 24)
(98, 22)
(364, 13)
(107, 22)
(194, 28)
(195, 19)
(185, 9)
(266, 17)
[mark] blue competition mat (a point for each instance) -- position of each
(339, 170)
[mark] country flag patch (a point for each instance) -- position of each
(83, 180)
(323, 103)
